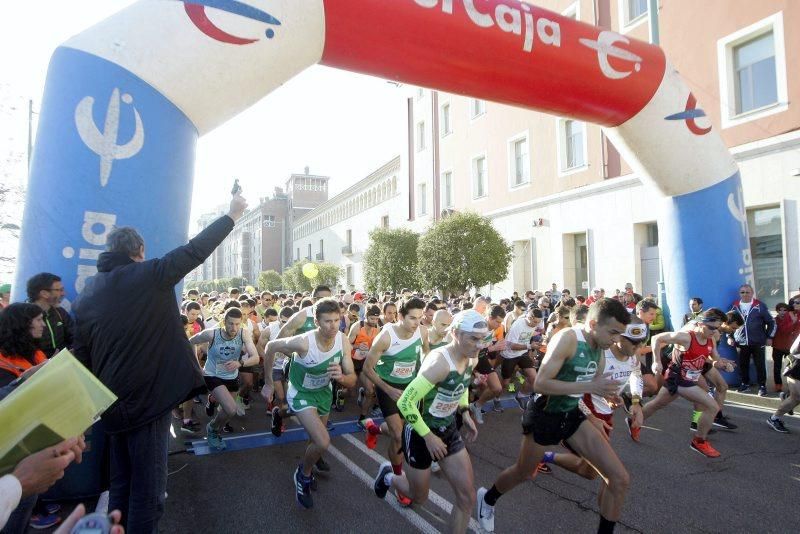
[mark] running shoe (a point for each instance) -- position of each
(704, 447)
(246, 401)
(544, 468)
(211, 407)
(329, 426)
(190, 427)
(634, 432)
(52, 508)
(41, 522)
(322, 466)
(227, 429)
(762, 391)
(435, 467)
(743, 388)
(376, 411)
(404, 500)
(497, 406)
(380, 486)
(339, 403)
(373, 430)
(360, 398)
(522, 400)
(476, 412)
(777, 425)
(240, 409)
(302, 486)
(722, 422)
(484, 512)
(276, 425)
(214, 439)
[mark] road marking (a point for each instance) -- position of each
(411, 516)
(433, 497)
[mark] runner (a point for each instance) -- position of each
(439, 331)
(692, 351)
(391, 365)
(279, 371)
(430, 434)
(516, 312)
(792, 374)
(362, 334)
(573, 366)
(647, 310)
(303, 321)
(221, 371)
(320, 355)
(389, 313)
(487, 361)
(525, 334)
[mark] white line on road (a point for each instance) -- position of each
(433, 497)
(410, 515)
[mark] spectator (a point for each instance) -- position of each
(629, 290)
(785, 333)
(758, 331)
(145, 360)
(695, 310)
(21, 326)
(5, 295)
(46, 291)
(596, 295)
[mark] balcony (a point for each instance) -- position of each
(347, 250)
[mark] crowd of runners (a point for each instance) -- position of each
(425, 373)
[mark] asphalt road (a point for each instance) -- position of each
(752, 488)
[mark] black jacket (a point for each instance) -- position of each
(128, 330)
(57, 331)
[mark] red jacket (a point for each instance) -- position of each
(788, 330)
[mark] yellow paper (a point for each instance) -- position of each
(61, 400)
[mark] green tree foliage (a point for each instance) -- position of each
(390, 262)
(462, 251)
(270, 280)
(294, 279)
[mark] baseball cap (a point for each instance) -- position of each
(358, 296)
(635, 332)
(470, 321)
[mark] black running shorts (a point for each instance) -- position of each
(212, 382)
(510, 364)
(388, 406)
(416, 452)
(550, 428)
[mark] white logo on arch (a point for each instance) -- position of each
(605, 48)
(104, 143)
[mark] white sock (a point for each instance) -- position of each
(387, 479)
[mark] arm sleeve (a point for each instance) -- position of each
(407, 404)
(10, 495)
(175, 265)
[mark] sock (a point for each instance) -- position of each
(397, 469)
(606, 526)
(696, 416)
(549, 457)
(719, 414)
(387, 478)
(491, 496)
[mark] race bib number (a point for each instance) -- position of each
(693, 376)
(444, 405)
(316, 381)
(403, 370)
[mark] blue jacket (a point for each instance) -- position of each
(758, 325)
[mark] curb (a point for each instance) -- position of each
(771, 401)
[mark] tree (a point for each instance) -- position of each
(462, 251)
(294, 279)
(390, 262)
(269, 280)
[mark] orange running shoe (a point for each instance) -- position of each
(704, 447)
(404, 501)
(634, 432)
(373, 430)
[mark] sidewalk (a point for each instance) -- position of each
(771, 401)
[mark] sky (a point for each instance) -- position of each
(339, 124)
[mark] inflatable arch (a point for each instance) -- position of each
(126, 100)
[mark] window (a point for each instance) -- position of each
(445, 120)
(420, 93)
(269, 221)
(477, 107)
(652, 235)
(519, 161)
(752, 72)
(309, 251)
(321, 250)
(349, 235)
(297, 258)
(447, 189)
(420, 136)
(480, 186)
(422, 197)
(766, 248)
(349, 275)
(385, 221)
(635, 9)
(571, 145)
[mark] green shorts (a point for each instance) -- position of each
(320, 399)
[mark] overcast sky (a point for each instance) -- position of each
(339, 124)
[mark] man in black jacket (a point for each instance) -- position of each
(47, 291)
(144, 358)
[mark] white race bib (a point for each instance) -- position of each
(403, 370)
(693, 376)
(444, 405)
(316, 381)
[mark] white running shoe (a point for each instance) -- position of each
(476, 412)
(484, 512)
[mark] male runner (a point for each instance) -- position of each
(221, 370)
(516, 312)
(525, 334)
(647, 310)
(362, 334)
(320, 355)
(438, 333)
(430, 434)
(391, 365)
(792, 374)
(692, 350)
(573, 365)
(487, 361)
